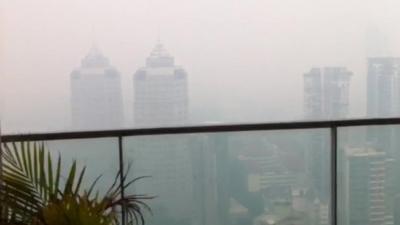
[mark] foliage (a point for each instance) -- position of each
(33, 192)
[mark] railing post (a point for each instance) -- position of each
(333, 167)
(1, 172)
(122, 175)
(1, 160)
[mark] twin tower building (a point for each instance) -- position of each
(160, 93)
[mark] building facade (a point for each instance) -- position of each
(160, 91)
(383, 92)
(364, 181)
(383, 100)
(326, 93)
(161, 99)
(96, 98)
(326, 97)
(383, 87)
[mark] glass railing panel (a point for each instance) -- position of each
(275, 177)
(368, 184)
(100, 157)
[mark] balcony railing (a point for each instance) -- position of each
(314, 172)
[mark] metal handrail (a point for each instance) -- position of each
(200, 129)
(332, 125)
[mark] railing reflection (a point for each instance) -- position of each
(279, 173)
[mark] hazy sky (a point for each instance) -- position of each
(245, 58)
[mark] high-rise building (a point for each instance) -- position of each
(383, 87)
(383, 92)
(267, 173)
(96, 98)
(160, 91)
(317, 157)
(168, 162)
(326, 93)
(383, 98)
(209, 201)
(364, 173)
(161, 99)
(326, 96)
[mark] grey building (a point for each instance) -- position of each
(383, 92)
(160, 91)
(383, 100)
(168, 162)
(161, 99)
(326, 93)
(96, 98)
(326, 97)
(383, 87)
(364, 184)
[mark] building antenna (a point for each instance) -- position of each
(158, 35)
(93, 34)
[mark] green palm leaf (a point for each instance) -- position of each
(31, 192)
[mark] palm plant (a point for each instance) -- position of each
(32, 192)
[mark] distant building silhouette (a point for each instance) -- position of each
(326, 97)
(160, 91)
(96, 98)
(326, 93)
(383, 87)
(383, 100)
(161, 99)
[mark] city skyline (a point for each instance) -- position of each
(126, 118)
(279, 86)
(236, 75)
(326, 91)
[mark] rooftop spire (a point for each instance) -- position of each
(159, 57)
(95, 58)
(94, 42)
(159, 51)
(158, 35)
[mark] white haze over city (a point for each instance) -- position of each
(245, 59)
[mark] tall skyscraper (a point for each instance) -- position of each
(383, 87)
(363, 191)
(208, 205)
(168, 162)
(383, 99)
(326, 93)
(161, 92)
(383, 92)
(326, 96)
(161, 99)
(96, 98)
